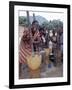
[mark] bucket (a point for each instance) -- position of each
(49, 65)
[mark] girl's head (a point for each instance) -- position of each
(26, 34)
(35, 26)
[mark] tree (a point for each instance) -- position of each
(23, 21)
(54, 24)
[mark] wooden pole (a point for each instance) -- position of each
(28, 19)
(33, 17)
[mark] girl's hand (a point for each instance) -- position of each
(36, 35)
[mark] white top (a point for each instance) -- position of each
(50, 44)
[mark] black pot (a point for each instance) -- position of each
(52, 57)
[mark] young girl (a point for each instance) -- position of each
(25, 50)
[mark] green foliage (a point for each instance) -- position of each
(23, 21)
(54, 24)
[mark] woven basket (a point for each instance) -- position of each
(34, 63)
(47, 53)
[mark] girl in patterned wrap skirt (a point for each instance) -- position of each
(24, 50)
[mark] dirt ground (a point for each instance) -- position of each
(45, 72)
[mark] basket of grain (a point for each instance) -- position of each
(34, 63)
